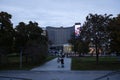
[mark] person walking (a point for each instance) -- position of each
(58, 61)
(62, 62)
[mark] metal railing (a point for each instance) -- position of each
(12, 78)
(108, 75)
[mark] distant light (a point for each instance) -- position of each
(77, 29)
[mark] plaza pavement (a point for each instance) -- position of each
(51, 71)
(53, 65)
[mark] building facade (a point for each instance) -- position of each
(59, 35)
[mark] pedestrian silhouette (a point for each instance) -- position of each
(62, 62)
(58, 61)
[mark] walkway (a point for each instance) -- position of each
(58, 75)
(54, 66)
(50, 71)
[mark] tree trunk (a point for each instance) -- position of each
(97, 55)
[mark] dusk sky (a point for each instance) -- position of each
(57, 12)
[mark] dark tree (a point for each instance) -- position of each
(34, 44)
(80, 46)
(6, 34)
(114, 28)
(95, 31)
(21, 36)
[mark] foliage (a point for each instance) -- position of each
(6, 36)
(114, 29)
(95, 27)
(94, 31)
(6, 32)
(27, 32)
(21, 36)
(80, 46)
(34, 44)
(24, 38)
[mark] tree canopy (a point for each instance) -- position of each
(26, 38)
(6, 32)
(94, 31)
(114, 30)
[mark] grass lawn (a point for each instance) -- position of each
(89, 63)
(14, 64)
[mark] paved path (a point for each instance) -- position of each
(58, 75)
(50, 71)
(54, 66)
